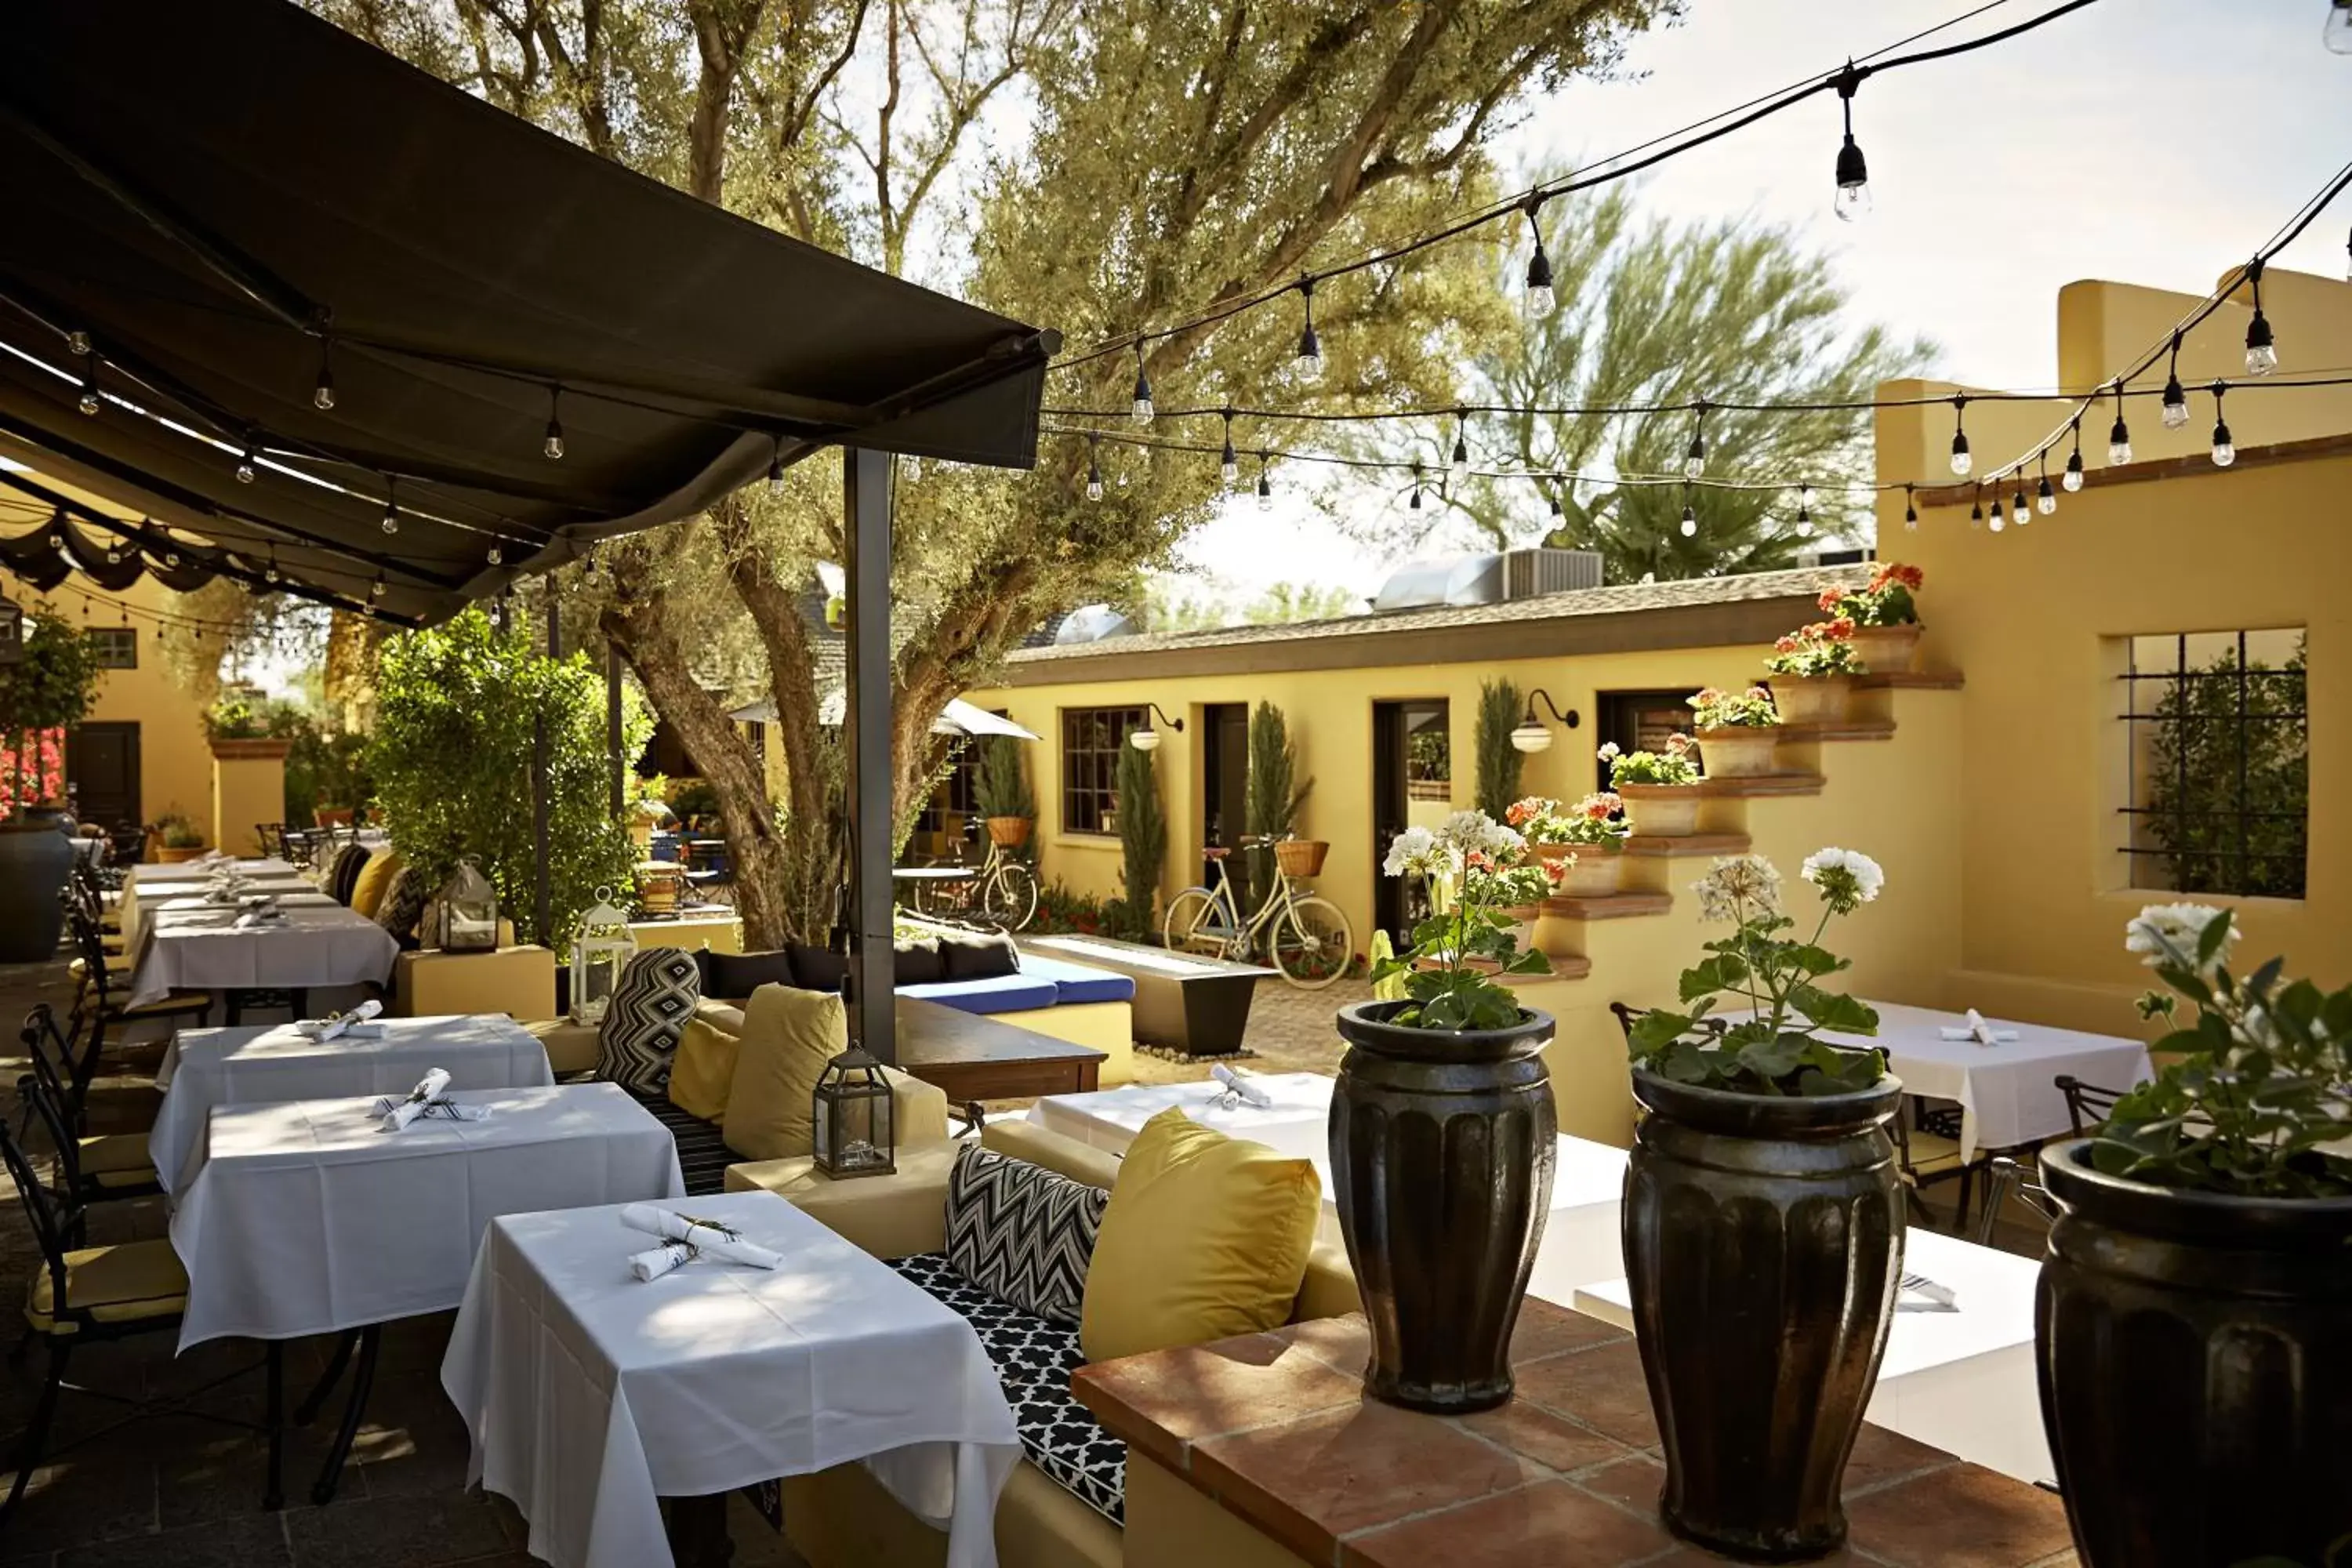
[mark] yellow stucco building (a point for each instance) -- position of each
(2001, 789)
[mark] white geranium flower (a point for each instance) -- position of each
(1607, 751)
(1464, 830)
(1412, 852)
(1737, 881)
(1847, 877)
(1503, 844)
(2162, 933)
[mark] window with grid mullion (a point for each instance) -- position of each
(1091, 739)
(2219, 763)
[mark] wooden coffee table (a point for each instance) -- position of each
(970, 1056)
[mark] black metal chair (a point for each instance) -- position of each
(2004, 1180)
(2087, 1105)
(98, 1006)
(92, 1168)
(271, 836)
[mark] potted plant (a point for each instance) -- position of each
(176, 838)
(1738, 730)
(1000, 792)
(1443, 1096)
(1885, 617)
(1660, 788)
(1763, 1220)
(648, 809)
(2191, 1323)
(49, 686)
(1274, 793)
(1515, 890)
(1816, 666)
(1596, 835)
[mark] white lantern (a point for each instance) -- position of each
(599, 954)
(470, 912)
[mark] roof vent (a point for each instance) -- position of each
(1433, 584)
(1531, 573)
(1092, 623)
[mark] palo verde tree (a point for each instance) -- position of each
(1102, 167)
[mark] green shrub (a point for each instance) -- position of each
(1142, 837)
(1501, 704)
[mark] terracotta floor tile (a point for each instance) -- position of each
(1527, 1428)
(1603, 1388)
(1635, 1482)
(1339, 1471)
(1535, 1527)
(1176, 1396)
(1881, 1457)
(1961, 1518)
(1343, 1344)
(1544, 1329)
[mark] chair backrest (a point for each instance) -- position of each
(60, 1075)
(271, 836)
(51, 1216)
(128, 842)
(2087, 1105)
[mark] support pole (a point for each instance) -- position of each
(542, 803)
(613, 725)
(866, 476)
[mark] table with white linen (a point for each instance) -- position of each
(590, 1394)
(316, 946)
(143, 884)
(308, 1217)
(268, 1064)
(1962, 1381)
(2008, 1092)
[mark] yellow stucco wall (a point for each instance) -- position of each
(176, 768)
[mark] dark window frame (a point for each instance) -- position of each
(1092, 739)
(102, 638)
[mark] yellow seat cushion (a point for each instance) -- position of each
(788, 1037)
(375, 881)
(1205, 1236)
(109, 1154)
(112, 1285)
(703, 1070)
(1932, 1154)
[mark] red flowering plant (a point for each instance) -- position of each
(1596, 821)
(1823, 648)
(1887, 601)
(1714, 709)
(1537, 819)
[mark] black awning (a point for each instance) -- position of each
(222, 199)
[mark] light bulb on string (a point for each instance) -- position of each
(496, 556)
(2045, 498)
(270, 570)
(1557, 509)
(1538, 300)
(2337, 31)
(1805, 496)
(1996, 522)
(1264, 488)
(1307, 365)
(1694, 460)
(776, 466)
(322, 391)
(2225, 450)
(2017, 501)
(2119, 447)
(1853, 169)
(1910, 511)
(2176, 401)
(245, 472)
(1229, 462)
(1414, 503)
(390, 505)
(1140, 409)
(2262, 349)
(1094, 470)
(375, 589)
(2072, 478)
(78, 343)
(1690, 515)
(552, 447)
(1976, 509)
(1804, 522)
(1458, 469)
(88, 402)
(1961, 461)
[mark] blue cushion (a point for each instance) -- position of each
(1076, 983)
(997, 994)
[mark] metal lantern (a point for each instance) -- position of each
(469, 912)
(853, 1122)
(599, 954)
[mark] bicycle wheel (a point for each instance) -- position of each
(1010, 898)
(1313, 944)
(1195, 923)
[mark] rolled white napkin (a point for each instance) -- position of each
(710, 1240)
(254, 919)
(1241, 1088)
(429, 1088)
(353, 1022)
(1981, 1032)
(660, 1260)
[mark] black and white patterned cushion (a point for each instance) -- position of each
(343, 872)
(655, 995)
(1034, 1359)
(1023, 1232)
(403, 905)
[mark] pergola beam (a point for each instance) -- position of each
(866, 476)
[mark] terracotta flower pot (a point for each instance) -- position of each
(170, 855)
(1738, 751)
(1811, 699)
(1888, 649)
(1662, 811)
(1553, 851)
(1594, 875)
(1522, 919)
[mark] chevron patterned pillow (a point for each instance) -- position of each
(651, 1003)
(1022, 1233)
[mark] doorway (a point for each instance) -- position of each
(102, 774)
(1225, 791)
(1412, 786)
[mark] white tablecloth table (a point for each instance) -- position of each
(147, 874)
(269, 1063)
(1961, 1381)
(317, 945)
(142, 885)
(308, 1217)
(2008, 1093)
(589, 1394)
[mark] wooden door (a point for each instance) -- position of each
(102, 773)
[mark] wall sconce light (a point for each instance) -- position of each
(1148, 739)
(1533, 735)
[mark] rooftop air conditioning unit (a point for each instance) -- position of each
(1531, 573)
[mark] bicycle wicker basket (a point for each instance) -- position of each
(1008, 832)
(1301, 857)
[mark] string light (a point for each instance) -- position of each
(375, 589)
(1804, 522)
(2262, 351)
(1264, 489)
(497, 557)
(1457, 471)
(2337, 31)
(269, 572)
(1852, 170)
(391, 504)
(1094, 470)
(1307, 368)
(2225, 451)
(1694, 460)
(2045, 499)
(1538, 299)
(1976, 509)
(2119, 451)
(776, 465)
(2072, 478)
(1415, 502)
(2017, 502)
(1961, 461)
(1805, 496)
(2176, 401)
(1229, 463)
(89, 401)
(1690, 514)
(1142, 405)
(322, 392)
(245, 472)
(551, 448)
(1910, 511)
(78, 343)
(1996, 522)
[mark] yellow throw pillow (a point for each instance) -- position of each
(703, 1069)
(375, 881)
(788, 1037)
(1206, 1237)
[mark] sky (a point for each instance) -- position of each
(2155, 142)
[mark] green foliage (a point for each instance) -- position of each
(1651, 313)
(1775, 1047)
(1143, 833)
(999, 785)
(1813, 651)
(1061, 910)
(1501, 704)
(1712, 707)
(53, 685)
(693, 803)
(1283, 604)
(1274, 791)
(2198, 754)
(326, 771)
(2263, 1084)
(1448, 971)
(452, 756)
(1672, 766)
